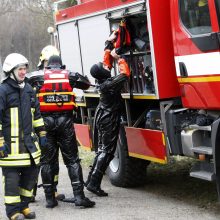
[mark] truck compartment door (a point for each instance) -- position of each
(93, 32)
(195, 28)
(69, 46)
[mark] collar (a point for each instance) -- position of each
(14, 84)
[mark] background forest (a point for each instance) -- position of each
(23, 28)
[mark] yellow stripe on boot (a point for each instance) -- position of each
(28, 214)
(17, 216)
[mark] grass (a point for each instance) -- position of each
(86, 157)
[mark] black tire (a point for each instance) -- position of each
(125, 171)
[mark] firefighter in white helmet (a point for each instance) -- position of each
(20, 121)
(36, 80)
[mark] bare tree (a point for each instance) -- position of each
(43, 7)
(6, 7)
(24, 28)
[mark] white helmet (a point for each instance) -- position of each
(12, 61)
(46, 53)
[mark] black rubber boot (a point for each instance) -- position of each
(51, 201)
(76, 177)
(94, 185)
(82, 201)
(50, 196)
(102, 163)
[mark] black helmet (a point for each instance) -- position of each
(54, 62)
(99, 72)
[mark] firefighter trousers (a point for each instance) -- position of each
(61, 135)
(18, 184)
(56, 169)
(108, 124)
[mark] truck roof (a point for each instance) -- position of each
(88, 7)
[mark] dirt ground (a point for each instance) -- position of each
(169, 193)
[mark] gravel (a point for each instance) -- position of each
(166, 195)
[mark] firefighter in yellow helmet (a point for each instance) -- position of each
(20, 152)
(202, 3)
(37, 79)
(203, 13)
(59, 125)
(46, 53)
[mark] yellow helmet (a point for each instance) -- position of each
(202, 3)
(46, 53)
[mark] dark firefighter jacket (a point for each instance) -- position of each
(110, 89)
(110, 103)
(19, 116)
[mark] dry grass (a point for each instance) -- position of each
(86, 157)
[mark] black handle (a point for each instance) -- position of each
(183, 70)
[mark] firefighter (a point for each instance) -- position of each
(36, 82)
(58, 118)
(46, 53)
(202, 3)
(107, 118)
(20, 153)
(203, 13)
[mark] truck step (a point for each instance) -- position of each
(203, 170)
(204, 128)
(203, 175)
(202, 150)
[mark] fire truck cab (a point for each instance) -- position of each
(172, 102)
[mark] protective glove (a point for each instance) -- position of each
(108, 59)
(42, 139)
(123, 67)
(3, 148)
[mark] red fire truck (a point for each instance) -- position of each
(172, 102)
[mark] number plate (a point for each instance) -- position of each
(56, 98)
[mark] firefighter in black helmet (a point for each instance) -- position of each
(108, 112)
(107, 118)
(58, 118)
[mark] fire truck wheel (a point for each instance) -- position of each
(125, 171)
